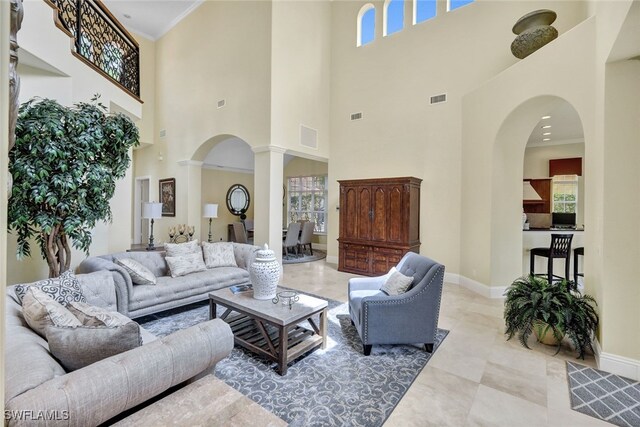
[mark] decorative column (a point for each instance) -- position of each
(268, 188)
(193, 189)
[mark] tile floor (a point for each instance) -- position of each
(476, 377)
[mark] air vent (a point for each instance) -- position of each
(437, 99)
(163, 133)
(222, 103)
(356, 116)
(308, 137)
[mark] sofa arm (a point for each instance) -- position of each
(245, 254)
(121, 279)
(98, 392)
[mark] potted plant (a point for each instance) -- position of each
(65, 164)
(532, 304)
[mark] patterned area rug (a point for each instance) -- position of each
(338, 386)
(603, 395)
(293, 259)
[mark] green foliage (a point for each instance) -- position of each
(65, 165)
(532, 299)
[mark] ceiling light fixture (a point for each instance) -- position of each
(546, 126)
(546, 133)
(546, 117)
(546, 139)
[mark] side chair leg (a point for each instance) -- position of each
(428, 348)
(367, 349)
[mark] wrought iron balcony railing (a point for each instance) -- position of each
(101, 41)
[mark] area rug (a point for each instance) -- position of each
(293, 259)
(338, 386)
(603, 395)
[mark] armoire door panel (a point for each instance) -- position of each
(364, 213)
(350, 213)
(379, 220)
(395, 215)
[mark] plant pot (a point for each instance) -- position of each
(544, 333)
(534, 30)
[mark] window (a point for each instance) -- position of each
(308, 200)
(366, 24)
(423, 10)
(393, 16)
(565, 193)
(454, 4)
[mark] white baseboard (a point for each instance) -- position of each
(332, 259)
(475, 286)
(320, 246)
(619, 365)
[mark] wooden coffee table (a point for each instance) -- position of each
(272, 330)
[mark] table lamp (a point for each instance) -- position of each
(210, 210)
(151, 210)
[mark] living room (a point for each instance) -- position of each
(282, 65)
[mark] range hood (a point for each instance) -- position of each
(528, 192)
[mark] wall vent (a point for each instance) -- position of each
(356, 116)
(163, 133)
(308, 137)
(437, 99)
(222, 103)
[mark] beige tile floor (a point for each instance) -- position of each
(476, 377)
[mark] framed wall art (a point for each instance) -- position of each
(168, 196)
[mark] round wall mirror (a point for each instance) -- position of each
(238, 199)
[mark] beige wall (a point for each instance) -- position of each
(536, 165)
(146, 125)
(4, 130)
(390, 81)
(215, 184)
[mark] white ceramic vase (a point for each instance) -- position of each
(265, 274)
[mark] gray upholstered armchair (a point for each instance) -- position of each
(409, 318)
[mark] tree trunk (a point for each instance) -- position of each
(58, 251)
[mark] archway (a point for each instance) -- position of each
(506, 187)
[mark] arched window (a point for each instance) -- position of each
(366, 24)
(393, 17)
(454, 4)
(423, 10)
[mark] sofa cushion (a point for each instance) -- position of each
(355, 299)
(219, 254)
(397, 283)
(77, 347)
(185, 264)
(179, 249)
(40, 310)
(140, 275)
(63, 289)
(175, 289)
(99, 289)
(90, 315)
(153, 260)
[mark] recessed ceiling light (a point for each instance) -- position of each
(546, 133)
(546, 126)
(126, 15)
(546, 117)
(546, 139)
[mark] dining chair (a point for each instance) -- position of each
(239, 232)
(306, 236)
(291, 241)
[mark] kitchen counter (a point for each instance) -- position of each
(569, 230)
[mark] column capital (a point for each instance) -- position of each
(270, 148)
(195, 163)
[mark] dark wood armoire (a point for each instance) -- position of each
(379, 223)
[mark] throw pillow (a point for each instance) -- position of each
(181, 265)
(219, 255)
(179, 249)
(40, 310)
(140, 275)
(77, 347)
(64, 288)
(397, 283)
(90, 315)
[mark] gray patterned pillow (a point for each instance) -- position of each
(181, 265)
(64, 288)
(140, 275)
(219, 255)
(90, 315)
(179, 249)
(77, 347)
(397, 283)
(40, 310)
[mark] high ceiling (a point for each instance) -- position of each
(565, 123)
(151, 18)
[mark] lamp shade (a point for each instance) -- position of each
(151, 210)
(528, 192)
(210, 210)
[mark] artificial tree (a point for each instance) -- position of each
(65, 164)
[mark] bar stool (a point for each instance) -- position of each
(576, 252)
(560, 248)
